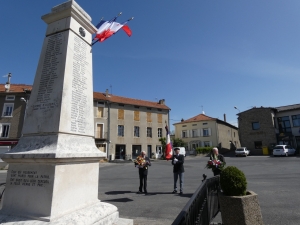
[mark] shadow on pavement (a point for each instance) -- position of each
(119, 200)
(117, 192)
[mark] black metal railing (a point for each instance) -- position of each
(203, 206)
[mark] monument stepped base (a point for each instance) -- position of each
(100, 213)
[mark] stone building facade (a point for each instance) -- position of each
(267, 126)
(256, 129)
(205, 131)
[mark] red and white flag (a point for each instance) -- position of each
(168, 152)
(107, 28)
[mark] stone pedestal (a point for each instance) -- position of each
(53, 171)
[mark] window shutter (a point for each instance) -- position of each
(0, 129)
(191, 133)
(209, 131)
(210, 143)
(201, 132)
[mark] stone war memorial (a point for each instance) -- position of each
(54, 170)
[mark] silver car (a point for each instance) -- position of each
(242, 151)
(284, 150)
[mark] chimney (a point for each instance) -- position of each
(224, 117)
(182, 120)
(106, 93)
(7, 85)
(161, 101)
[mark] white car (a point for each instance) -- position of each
(284, 150)
(242, 151)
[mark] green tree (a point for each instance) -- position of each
(163, 142)
(177, 142)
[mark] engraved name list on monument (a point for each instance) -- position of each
(79, 87)
(49, 74)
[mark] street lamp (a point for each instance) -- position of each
(26, 101)
(237, 109)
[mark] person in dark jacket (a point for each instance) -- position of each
(216, 156)
(142, 162)
(178, 170)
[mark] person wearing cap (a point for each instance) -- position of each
(178, 170)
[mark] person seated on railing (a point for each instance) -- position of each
(216, 156)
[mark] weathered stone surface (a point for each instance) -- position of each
(241, 210)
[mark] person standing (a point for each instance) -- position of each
(142, 162)
(216, 156)
(178, 170)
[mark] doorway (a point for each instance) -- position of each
(120, 151)
(149, 151)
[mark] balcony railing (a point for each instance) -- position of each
(100, 135)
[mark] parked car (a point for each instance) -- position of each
(284, 150)
(242, 151)
(182, 151)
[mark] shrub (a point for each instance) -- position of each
(204, 150)
(233, 181)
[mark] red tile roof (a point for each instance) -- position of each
(17, 88)
(128, 101)
(200, 117)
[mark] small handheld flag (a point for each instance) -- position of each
(107, 28)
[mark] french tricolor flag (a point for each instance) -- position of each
(107, 28)
(168, 145)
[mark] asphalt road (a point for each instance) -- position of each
(274, 179)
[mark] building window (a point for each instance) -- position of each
(121, 130)
(136, 131)
(101, 147)
(255, 126)
(8, 109)
(194, 133)
(159, 132)
(257, 144)
(149, 117)
(296, 120)
(184, 133)
(284, 124)
(233, 134)
(205, 132)
(159, 118)
(183, 125)
(10, 97)
(121, 114)
(206, 144)
(136, 116)
(4, 130)
(99, 131)
(204, 123)
(149, 132)
(194, 125)
(100, 112)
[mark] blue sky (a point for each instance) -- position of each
(210, 54)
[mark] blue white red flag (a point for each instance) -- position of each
(168, 152)
(107, 28)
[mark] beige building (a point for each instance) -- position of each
(123, 126)
(205, 131)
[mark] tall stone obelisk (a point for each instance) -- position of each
(53, 171)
